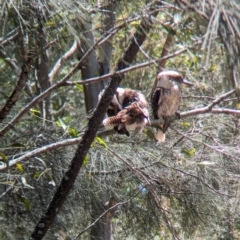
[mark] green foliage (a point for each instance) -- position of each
(25, 202)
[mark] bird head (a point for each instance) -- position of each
(164, 79)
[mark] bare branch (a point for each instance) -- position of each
(10, 37)
(61, 83)
(104, 133)
(41, 150)
(141, 65)
(60, 61)
(49, 90)
(209, 107)
(226, 111)
(94, 123)
(165, 51)
(149, 186)
(18, 89)
(204, 183)
(105, 212)
(11, 62)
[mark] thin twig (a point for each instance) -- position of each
(7, 191)
(209, 107)
(206, 145)
(60, 61)
(43, 95)
(108, 210)
(140, 65)
(149, 186)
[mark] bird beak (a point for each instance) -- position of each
(188, 83)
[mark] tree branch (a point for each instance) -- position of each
(18, 89)
(49, 90)
(11, 62)
(61, 83)
(10, 37)
(129, 69)
(60, 61)
(209, 107)
(94, 123)
(108, 210)
(154, 123)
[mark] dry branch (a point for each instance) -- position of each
(60, 61)
(209, 107)
(154, 123)
(94, 123)
(46, 93)
(18, 89)
(140, 65)
(108, 210)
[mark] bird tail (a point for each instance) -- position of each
(115, 123)
(160, 136)
(111, 122)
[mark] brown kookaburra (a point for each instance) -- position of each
(127, 111)
(166, 99)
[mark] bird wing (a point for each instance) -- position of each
(155, 100)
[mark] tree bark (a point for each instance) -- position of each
(43, 67)
(103, 229)
(21, 83)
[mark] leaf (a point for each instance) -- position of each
(79, 87)
(238, 105)
(213, 68)
(177, 18)
(25, 202)
(36, 175)
(3, 157)
(73, 132)
(18, 145)
(48, 176)
(42, 161)
(186, 124)
(100, 141)
(61, 124)
(188, 152)
(169, 29)
(49, 23)
(149, 133)
(35, 112)
(25, 184)
(20, 167)
(50, 179)
(135, 23)
(86, 160)
(215, 184)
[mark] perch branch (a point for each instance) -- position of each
(154, 123)
(94, 123)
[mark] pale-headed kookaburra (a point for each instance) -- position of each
(127, 111)
(166, 99)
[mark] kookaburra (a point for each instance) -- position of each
(127, 111)
(166, 99)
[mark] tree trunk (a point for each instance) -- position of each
(42, 65)
(102, 230)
